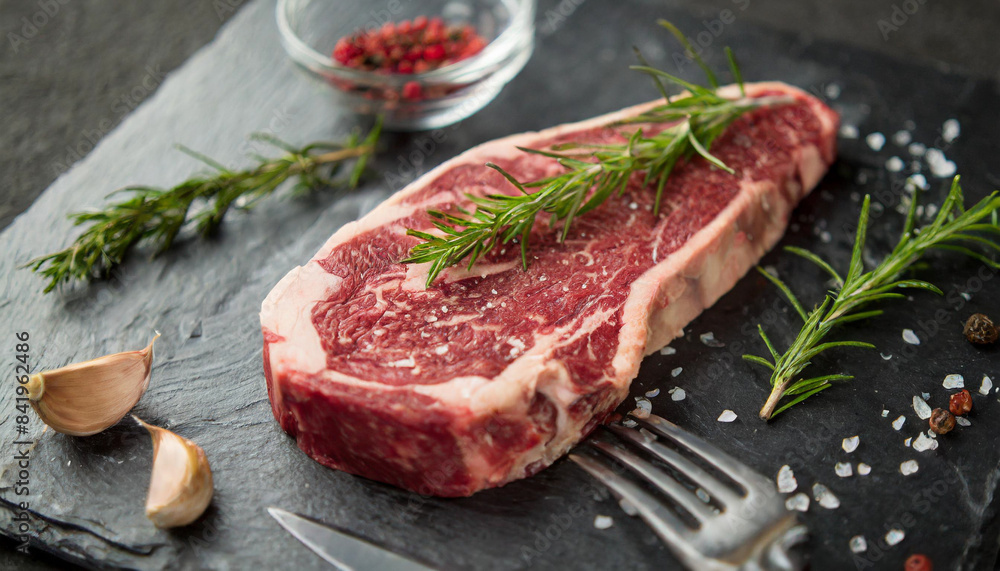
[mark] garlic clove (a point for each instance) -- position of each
(180, 488)
(86, 398)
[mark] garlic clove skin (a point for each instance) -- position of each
(86, 398)
(180, 488)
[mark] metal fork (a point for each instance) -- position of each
(746, 526)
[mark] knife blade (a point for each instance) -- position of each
(342, 550)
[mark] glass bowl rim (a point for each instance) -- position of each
(491, 58)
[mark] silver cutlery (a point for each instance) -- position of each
(343, 550)
(709, 523)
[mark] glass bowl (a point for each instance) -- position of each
(311, 28)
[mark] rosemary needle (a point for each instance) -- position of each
(955, 229)
(157, 215)
(593, 173)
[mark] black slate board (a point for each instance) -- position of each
(87, 493)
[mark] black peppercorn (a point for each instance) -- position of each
(942, 421)
(980, 330)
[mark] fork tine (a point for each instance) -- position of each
(740, 473)
(722, 493)
(663, 481)
(664, 523)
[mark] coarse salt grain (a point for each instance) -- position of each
(950, 130)
(727, 416)
(858, 544)
(923, 443)
(603, 522)
(676, 371)
(907, 442)
(876, 141)
(918, 181)
(832, 91)
(902, 138)
(843, 469)
(894, 536)
(703, 496)
(910, 337)
(894, 164)
(441, 349)
(909, 467)
(849, 131)
(850, 444)
(642, 407)
(917, 149)
(825, 497)
(668, 351)
(962, 421)
(885, 413)
(864, 469)
(953, 381)
(898, 423)
(987, 384)
(710, 341)
(921, 408)
(886, 357)
(799, 502)
(786, 480)
(652, 393)
(677, 394)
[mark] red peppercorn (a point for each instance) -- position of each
(412, 90)
(918, 562)
(960, 403)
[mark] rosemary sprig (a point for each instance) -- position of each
(157, 215)
(954, 229)
(593, 173)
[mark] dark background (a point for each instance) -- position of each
(66, 83)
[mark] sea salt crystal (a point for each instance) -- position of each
(917, 149)
(898, 423)
(629, 423)
(950, 130)
(799, 502)
(907, 442)
(864, 469)
(628, 507)
(910, 337)
(849, 131)
(966, 296)
(954, 381)
(407, 363)
(962, 421)
(493, 291)
(832, 91)
(642, 407)
(858, 544)
(921, 408)
(825, 497)
(850, 444)
(923, 443)
(710, 341)
(676, 371)
(668, 351)
(441, 350)
(431, 318)
(925, 396)
(984, 388)
(727, 416)
(918, 181)
(825, 237)
(843, 469)
(894, 536)
(909, 467)
(902, 138)
(653, 393)
(786, 480)
(885, 413)
(886, 357)
(634, 206)
(940, 166)
(876, 141)
(603, 522)
(677, 394)
(703, 495)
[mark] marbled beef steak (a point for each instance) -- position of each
(490, 375)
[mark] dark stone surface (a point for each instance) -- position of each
(87, 493)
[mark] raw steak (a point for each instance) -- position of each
(490, 375)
